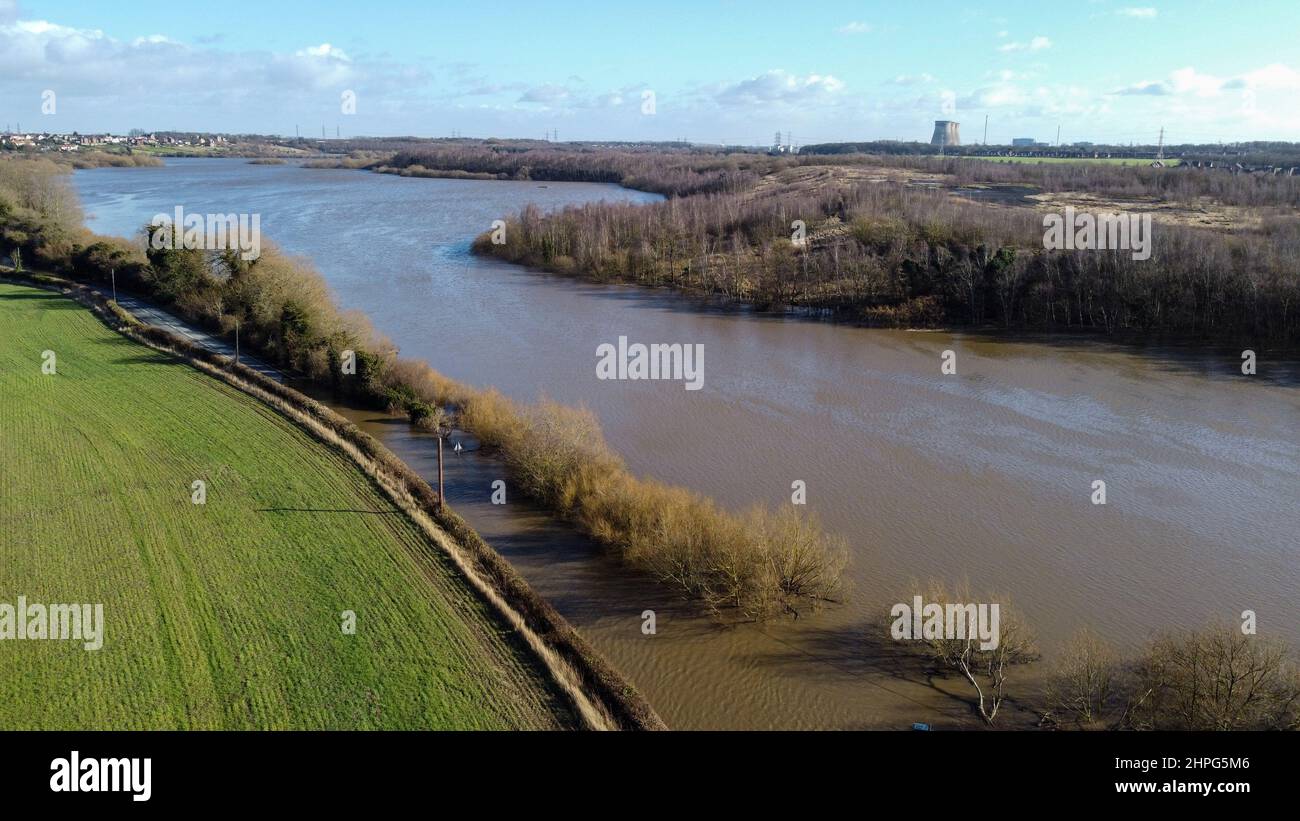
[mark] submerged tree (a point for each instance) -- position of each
(986, 666)
(1083, 686)
(1216, 678)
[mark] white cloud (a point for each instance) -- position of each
(41, 48)
(1037, 44)
(1138, 12)
(549, 94)
(1190, 81)
(1145, 88)
(1272, 77)
(855, 27)
(779, 86)
(1006, 75)
(1255, 104)
(324, 50)
(999, 95)
(159, 82)
(570, 96)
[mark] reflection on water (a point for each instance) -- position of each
(985, 475)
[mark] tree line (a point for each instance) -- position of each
(894, 254)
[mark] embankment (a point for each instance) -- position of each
(598, 693)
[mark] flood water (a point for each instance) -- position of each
(985, 476)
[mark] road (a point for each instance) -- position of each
(153, 315)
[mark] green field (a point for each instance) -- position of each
(1095, 160)
(228, 614)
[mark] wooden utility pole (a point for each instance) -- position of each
(113, 273)
(440, 496)
(236, 340)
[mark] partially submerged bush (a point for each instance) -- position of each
(986, 668)
(1084, 685)
(755, 565)
(1216, 678)
(1211, 678)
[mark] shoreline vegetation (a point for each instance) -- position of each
(746, 566)
(888, 243)
(1215, 677)
(104, 159)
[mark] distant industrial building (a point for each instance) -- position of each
(787, 148)
(946, 133)
(1022, 142)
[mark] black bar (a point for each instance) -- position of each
(929, 769)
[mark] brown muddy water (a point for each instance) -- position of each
(984, 476)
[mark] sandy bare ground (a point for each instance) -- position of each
(815, 177)
(1199, 214)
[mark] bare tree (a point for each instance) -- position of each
(986, 670)
(1083, 684)
(1216, 678)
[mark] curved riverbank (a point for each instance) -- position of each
(599, 695)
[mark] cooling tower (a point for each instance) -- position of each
(946, 133)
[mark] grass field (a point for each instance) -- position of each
(228, 614)
(1095, 160)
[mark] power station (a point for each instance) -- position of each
(946, 133)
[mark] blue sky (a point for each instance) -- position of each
(732, 72)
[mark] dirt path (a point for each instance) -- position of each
(153, 315)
